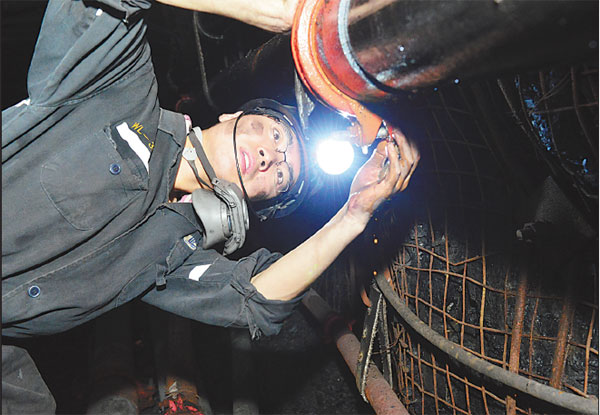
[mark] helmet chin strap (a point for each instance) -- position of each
(198, 151)
(222, 210)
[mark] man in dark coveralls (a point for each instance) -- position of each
(89, 163)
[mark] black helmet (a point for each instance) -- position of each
(284, 203)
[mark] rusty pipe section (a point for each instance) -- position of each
(517, 331)
(370, 48)
(315, 27)
(564, 328)
(412, 44)
(350, 52)
(379, 393)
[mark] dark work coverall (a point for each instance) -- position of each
(86, 223)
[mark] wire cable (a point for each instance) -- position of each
(202, 67)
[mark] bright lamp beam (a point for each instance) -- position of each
(335, 156)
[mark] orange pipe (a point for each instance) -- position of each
(306, 32)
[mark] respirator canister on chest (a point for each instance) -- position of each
(222, 209)
(224, 215)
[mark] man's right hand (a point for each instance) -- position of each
(375, 181)
(271, 15)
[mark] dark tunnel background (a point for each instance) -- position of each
(497, 154)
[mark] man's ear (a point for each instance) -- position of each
(227, 117)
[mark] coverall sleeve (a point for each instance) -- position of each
(84, 47)
(215, 290)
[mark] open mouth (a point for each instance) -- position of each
(245, 162)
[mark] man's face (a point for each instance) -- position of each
(267, 151)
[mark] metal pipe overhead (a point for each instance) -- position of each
(352, 52)
(369, 49)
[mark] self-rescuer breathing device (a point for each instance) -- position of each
(222, 210)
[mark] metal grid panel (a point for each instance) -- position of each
(461, 271)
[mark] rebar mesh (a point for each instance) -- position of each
(530, 308)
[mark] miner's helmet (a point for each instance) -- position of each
(288, 201)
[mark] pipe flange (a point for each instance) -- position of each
(311, 71)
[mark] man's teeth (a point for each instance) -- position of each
(246, 161)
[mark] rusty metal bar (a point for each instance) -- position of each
(587, 351)
(483, 292)
(464, 380)
(517, 331)
(564, 326)
(546, 393)
(379, 393)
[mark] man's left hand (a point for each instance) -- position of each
(375, 181)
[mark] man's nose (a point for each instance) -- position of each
(266, 157)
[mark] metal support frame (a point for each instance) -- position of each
(546, 393)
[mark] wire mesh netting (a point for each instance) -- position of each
(529, 306)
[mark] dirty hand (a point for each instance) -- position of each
(375, 182)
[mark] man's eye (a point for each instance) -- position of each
(276, 136)
(279, 177)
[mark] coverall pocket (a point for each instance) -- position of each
(90, 183)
